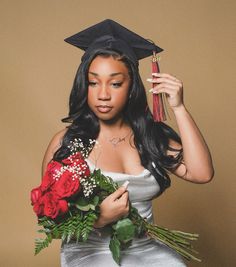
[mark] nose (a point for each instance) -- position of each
(104, 93)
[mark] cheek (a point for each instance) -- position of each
(91, 97)
(121, 99)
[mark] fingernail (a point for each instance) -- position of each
(152, 91)
(149, 80)
(125, 184)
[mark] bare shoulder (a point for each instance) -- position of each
(53, 146)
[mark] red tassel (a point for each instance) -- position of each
(158, 103)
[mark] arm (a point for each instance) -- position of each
(53, 146)
(197, 166)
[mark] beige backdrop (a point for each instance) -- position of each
(37, 70)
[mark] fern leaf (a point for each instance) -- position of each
(89, 220)
(42, 243)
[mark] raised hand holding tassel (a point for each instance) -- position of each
(171, 86)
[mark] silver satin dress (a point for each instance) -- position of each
(143, 251)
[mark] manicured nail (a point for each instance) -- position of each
(125, 184)
(149, 80)
(152, 91)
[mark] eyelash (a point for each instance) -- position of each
(92, 84)
(115, 85)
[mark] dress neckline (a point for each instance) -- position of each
(142, 173)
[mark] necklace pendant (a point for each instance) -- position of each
(116, 140)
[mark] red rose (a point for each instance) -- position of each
(48, 179)
(66, 186)
(38, 207)
(36, 194)
(53, 206)
(49, 205)
(77, 160)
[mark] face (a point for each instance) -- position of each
(108, 88)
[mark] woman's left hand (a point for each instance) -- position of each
(166, 83)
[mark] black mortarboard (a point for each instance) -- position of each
(110, 34)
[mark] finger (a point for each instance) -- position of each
(125, 198)
(170, 93)
(168, 86)
(165, 75)
(126, 209)
(118, 193)
(161, 88)
(165, 80)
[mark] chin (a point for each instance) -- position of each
(108, 118)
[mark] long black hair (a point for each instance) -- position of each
(150, 138)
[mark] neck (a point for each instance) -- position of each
(114, 133)
(112, 127)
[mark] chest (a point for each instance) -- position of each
(120, 156)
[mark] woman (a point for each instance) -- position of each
(108, 103)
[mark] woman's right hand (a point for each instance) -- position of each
(113, 207)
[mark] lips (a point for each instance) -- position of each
(104, 108)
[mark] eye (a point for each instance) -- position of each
(92, 84)
(116, 85)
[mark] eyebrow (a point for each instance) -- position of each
(112, 74)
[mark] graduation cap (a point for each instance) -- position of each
(109, 34)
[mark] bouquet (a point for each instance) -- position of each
(67, 206)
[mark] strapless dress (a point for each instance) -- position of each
(144, 252)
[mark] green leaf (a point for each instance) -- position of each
(87, 204)
(115, 249)
(82, 204)
(83, 208)
(88, 223)
(82, 201)
(46, 222)
(41, 244)
(104, 183)
(95, 200)
(45, 231)
(125, 230)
